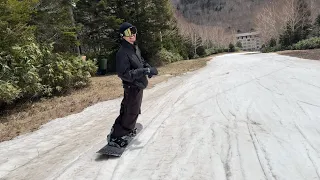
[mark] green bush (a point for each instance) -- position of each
(231, 48)
(272, 42)
(31, 72)
(201, 51)
(211, 51)
(220, 50)
(237, 49)
(20, 72)
(62, 72)
(8, 92)
(311, 43)
(239, 44)
(196, 56)
(165, 57)
(268, 49)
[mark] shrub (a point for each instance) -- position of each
(8, 92)
(311, 43)
(201, 51)
(165, 57)
(220, 50)
(33, 72)
(196, 56)
(211, 51)
(62, 72)
(239, 44)
(268, 49)
(272, 42)
(20, 72)
(231, 48)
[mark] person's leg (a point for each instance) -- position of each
(135, 97)
(122, 108)
(116, 125)
(127, 119)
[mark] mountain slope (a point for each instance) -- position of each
(231, 14)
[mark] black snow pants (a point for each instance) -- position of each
(129, 111)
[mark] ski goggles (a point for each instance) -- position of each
(130, 31)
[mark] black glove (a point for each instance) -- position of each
(153, 71)
(150, 71)
(146, 71)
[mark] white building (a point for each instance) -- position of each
(250, 41)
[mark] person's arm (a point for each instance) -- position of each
(145, 64)
(123, 69)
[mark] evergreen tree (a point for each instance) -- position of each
(98, 24)
(14, 23)
(316, 27)
(55, 24)
(100, 21)
(18, 51)
(287, 38)
(152, 18)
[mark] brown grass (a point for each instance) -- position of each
(313, 54)
(28, 117)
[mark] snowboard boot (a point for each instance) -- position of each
(109, 135)
(133, 133)
(118, 142)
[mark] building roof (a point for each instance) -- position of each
(247, 34)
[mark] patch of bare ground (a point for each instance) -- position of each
(313, 54)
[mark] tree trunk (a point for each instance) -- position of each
(73, 25)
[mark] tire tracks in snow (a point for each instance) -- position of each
(226, 162)
(262, 157)
(307, 149)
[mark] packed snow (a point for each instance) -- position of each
(245, 116)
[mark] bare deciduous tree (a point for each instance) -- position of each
(201, 35)
(273, 19)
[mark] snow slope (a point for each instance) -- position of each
(244, 116)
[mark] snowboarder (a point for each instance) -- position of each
(133, 70)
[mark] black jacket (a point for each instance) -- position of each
(130, 64)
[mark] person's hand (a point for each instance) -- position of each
(153, 71)
(150, 71)
(146, 71)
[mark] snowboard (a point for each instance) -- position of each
(115, 151)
